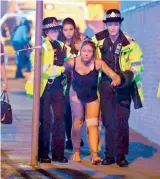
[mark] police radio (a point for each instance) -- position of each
(116, 55)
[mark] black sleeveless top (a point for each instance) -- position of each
(85, 85)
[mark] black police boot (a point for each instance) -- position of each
(121, 161)
(59, 159)
(44, 159)
(108, 161)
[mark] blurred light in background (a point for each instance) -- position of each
(88, 14)
(48, 6)
(80, 10)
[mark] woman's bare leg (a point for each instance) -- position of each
(77, 123)
(92, 123)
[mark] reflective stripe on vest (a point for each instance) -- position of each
(137, 63)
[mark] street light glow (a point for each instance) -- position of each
(49, 6)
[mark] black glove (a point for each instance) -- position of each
(135, 96)
(126, 79)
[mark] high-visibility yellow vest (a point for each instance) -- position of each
(130, 59)
(47, 61)
(158, 93)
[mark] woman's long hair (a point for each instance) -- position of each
(76, 35)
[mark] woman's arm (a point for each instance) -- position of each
(100, 64)
(69, 64)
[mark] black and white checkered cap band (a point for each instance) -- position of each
(50, 25)
(113, 15)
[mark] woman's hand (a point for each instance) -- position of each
(116, 80)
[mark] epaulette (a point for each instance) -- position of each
(129, 38)
(101, 35)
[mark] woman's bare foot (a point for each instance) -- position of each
(96, 159)
(76, 157)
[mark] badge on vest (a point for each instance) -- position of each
(55, 54)
(118, 48)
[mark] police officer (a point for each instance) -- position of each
(51, 93)
(122, 53)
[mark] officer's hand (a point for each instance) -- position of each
(116, 80)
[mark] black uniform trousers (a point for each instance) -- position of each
(115, 111)
(67, 113)
(52, 97)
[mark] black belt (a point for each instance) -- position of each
(56, 80)
(50, 81)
